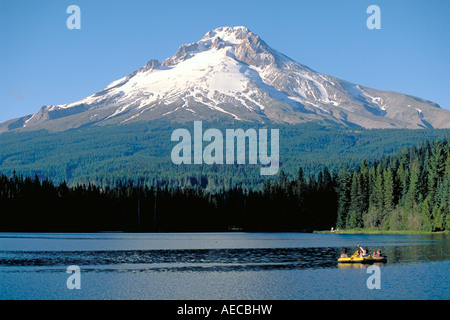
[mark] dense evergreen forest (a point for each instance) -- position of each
(111, 156)
(407, 190)
(410, 190)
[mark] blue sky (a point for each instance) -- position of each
(42, 62)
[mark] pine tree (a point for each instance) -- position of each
(411, 207)
(435, 168)
(388, 191)
(354, 219)
(365, 187)
(427, 214)
(343, 194)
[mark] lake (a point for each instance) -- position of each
(216, 266)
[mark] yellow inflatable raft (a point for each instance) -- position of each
(368, 259)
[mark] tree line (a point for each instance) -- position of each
(409, 190)
(34, 205)
(110, 155)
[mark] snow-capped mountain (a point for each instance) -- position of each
(232, 73)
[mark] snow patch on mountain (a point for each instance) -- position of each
(231, 72)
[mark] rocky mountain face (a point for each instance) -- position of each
(231, 73)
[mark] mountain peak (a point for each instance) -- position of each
(238, 40)
(233, 35)
(232, 73)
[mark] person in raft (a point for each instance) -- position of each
(344, 254)
(377, 254)
(363, 252)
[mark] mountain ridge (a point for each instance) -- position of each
(232, 73)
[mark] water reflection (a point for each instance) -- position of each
(357, 265)
(178, 260)
(302, 251)
(239, 259)
(220, 266)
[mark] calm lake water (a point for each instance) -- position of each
(269, 266)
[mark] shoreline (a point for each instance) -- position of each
(385, 232)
